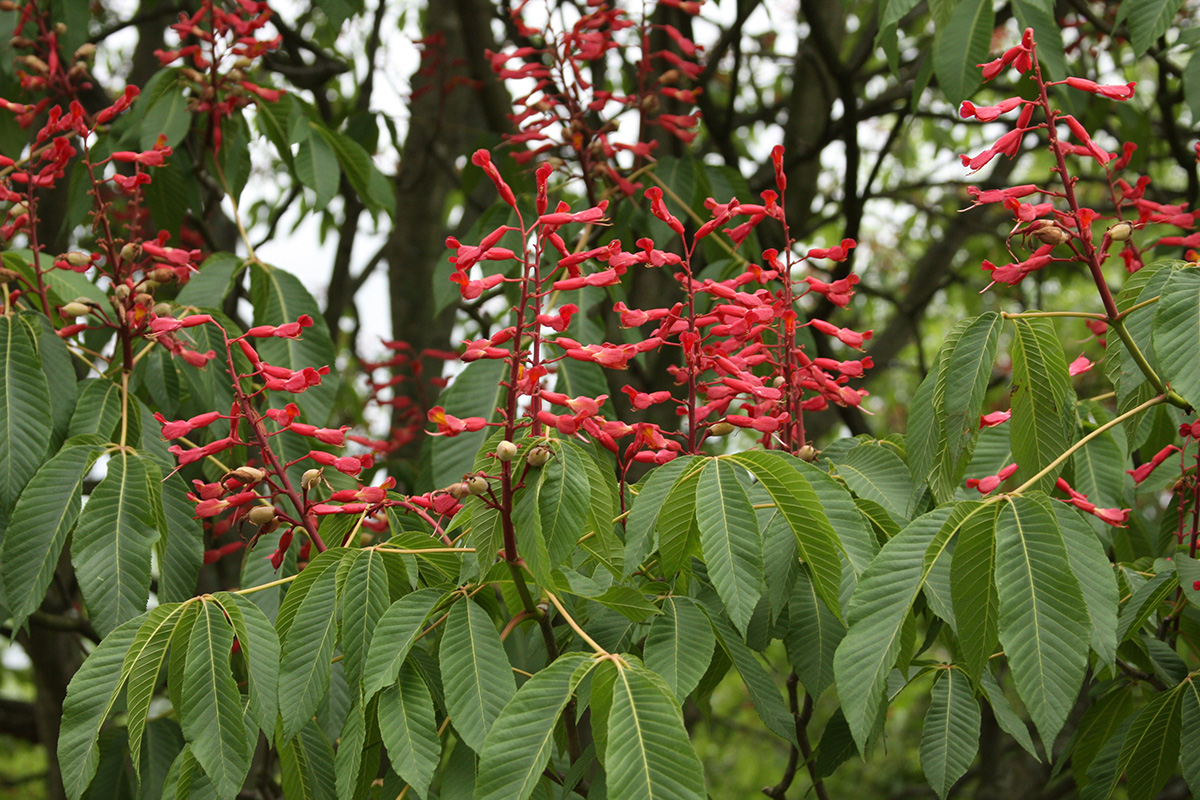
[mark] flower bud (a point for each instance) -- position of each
(74, 310)
(538, 456)
(261, 515)
(1050, 233)
(7, 5)
(807, 453)
(720, 429)
(36, 65)
(162, 310)
(476, 484)
(85, 52)
(311, 479)
(248, 474)
(163, 275)
(77, 259)
(121, 292)
(132, 251)
(506, 451)
(458, 490)
(60, 28)
(17, 209)
(243, 63)
(1121, 231)
(143, 298)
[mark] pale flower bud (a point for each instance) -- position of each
(1121, 231)
(506, 451)
(311, 479)
(476, 484)
(720, 429)
(261, 515)
(538, 456)
(77, 259)
(74, 310)
(807, 453)
(248, 474)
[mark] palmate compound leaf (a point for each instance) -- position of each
(648, 755)
(950, 736)
(211, 714)
(90, 696)
(1044, 624)
(878, 608)
(730, 540)
(1145, 749)
(476, 675)
(521, 740)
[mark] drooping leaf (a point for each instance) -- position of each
(394, 635)
(816, 541)
(648, 754)
(304, 667)
(950, 736)
(1177, 328)
(960, 45)
(143, 663)
(24, 398)
(1189, 735)
(1044, 624)
(973, 591)
(180, 546)
(44, 515)
(211, 714)
(1096, 579)
(1043, 401)
(475, 672)
(761, 687)
(364, 600)
(878, 608)
(1147, 20)
(521, 740)
(474, 392)
(730, 540)
(812, 637)
(645, 509)
(113, 542)
(876, 473)
(969, 371)
(409, 729)
(90, 696)
(679, 645)
(260, 645)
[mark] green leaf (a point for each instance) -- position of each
(90, 696)
(844, 515)
(209, 287)
(962, 44)
(58, 365)
(1149, 751)
(950, 736)
(973, 591)
(180, 547)
(168, 115)
(280, 297)
(24, 398)
(1044, 624)
(299, 588)
(628, 602)
(359, 169)
(648, 755)
(679, 645)
(1096, 580)
(260, 646)
(1099, 724)
(645, 508)
(394, 636)
(564, 495)
(876, 473)
(475, 672)
(812, 636)
(211, 714)
(348, 761)
(44, 515)
(1191, 84)
(113, 542)
(98, 410)
(1042, 400)
(304, 668)
(878, 608)
(1147, 20)
(409, 730)
(317, 166)
(1144, 603)
(143, 663)
(677, 534)
(364, 601)
(1189, 735)
(1177, 328)
(306, 766)
(1006, 718)
(759, 683)
(521, 740)
(816, 541)
(969, 371)
(1039, 15)
(730, 540)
